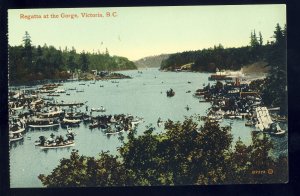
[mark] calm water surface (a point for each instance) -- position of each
(144, 96)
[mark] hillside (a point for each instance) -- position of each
(207, 60)
(151, 61)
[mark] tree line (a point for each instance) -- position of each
(207, 60)
(183, 155)
(30, 63)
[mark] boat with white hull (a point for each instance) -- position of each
(42, 123)
(15, 136)
(58, 142)
(19, 131)
(43, 126)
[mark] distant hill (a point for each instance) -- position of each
(151, 61)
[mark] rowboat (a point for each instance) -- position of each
(44, 126)
(19, 131)
(13, 136)
(54, 145)
(72, 121)
(43, 123)
(52, 114)
(102, 109)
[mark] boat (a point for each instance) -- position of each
(102, 109)
(53, 95)
(215, 117)
(67, 104)
(274, 109)
(15, 136)
(39, 101)
(60, 91)
(21, 130)
(70, 123)
(59, 142)
(280, 119)
(200, 93)
(187, 108)
(46, 91)
(276, 130)
(81, 83)
(44, 126)
(115, 130)
(226, 75)
(74, 115)
(136, 121)
(71, 120)
(42, 123)
(48, 98)
(64, 145)
(51, 114)
(170, 93)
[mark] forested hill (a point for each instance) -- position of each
(151, 61)
(30, 63)
(208, 60)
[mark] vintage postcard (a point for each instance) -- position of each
(148, 96)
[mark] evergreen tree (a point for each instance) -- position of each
(260, 39)
(27, 50)
(71, 63)
(40, 62)
(83, 61)
(275, 91)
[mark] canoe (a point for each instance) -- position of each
(116, 132)
(43, 126)
(16, 139)
(279, 133)
(18, 131)
(71, 121)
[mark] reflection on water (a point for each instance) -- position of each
(66, 149)
(15, 144)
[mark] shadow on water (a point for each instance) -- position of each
(67, 149)
(15, 144)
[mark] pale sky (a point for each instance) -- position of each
(138, 32)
